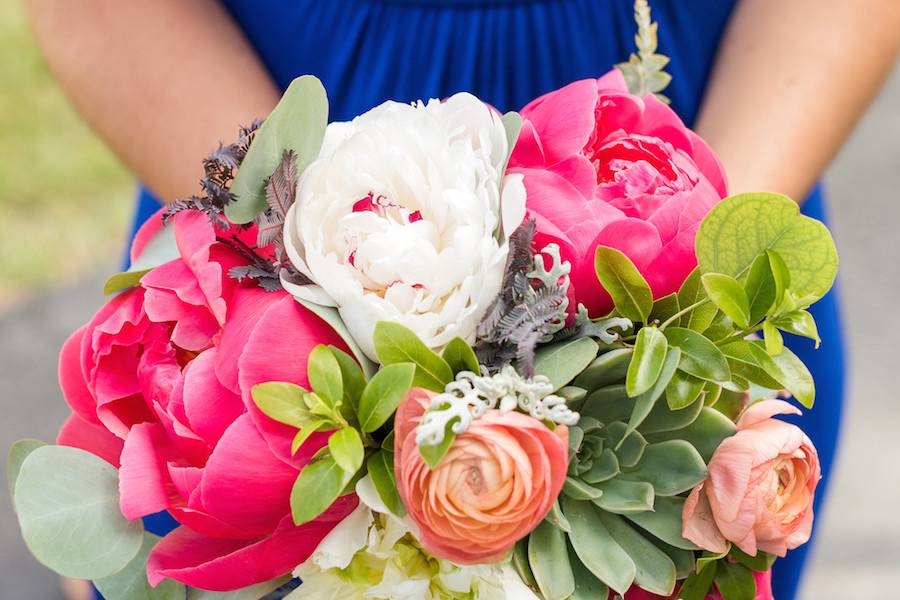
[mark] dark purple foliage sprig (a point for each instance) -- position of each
(218, 173)
(525, 312)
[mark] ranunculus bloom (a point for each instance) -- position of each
(494, 485)
(159, 383)
(759, 494)
(763, 591)
(604, 167)
(405, 217)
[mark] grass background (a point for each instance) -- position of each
(65, 200)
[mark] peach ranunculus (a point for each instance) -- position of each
(494, 485)
(759, 494)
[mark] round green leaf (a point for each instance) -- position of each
(699, 356)
(297, 123)
(629, 290)
(18, 452)
(68, 508)
(649, 355)
(562, 361)
(726, 244)
(131, 582)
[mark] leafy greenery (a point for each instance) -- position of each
(131, 582)
(395, 343)
(644, 72)
(628, 288)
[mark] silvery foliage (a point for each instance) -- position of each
(470, 396)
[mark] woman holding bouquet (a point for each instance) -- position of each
(165, 81)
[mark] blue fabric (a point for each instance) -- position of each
(508, 52)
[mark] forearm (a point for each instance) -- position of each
(163, 81)
(791, 80)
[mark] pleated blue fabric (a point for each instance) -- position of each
(508, 52)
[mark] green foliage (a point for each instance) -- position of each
(726, 245)
(654, 570)
(346, 448)
(281, 401)
(692, 294)
(650, 350)
(325, 376)
(629, 290)
(131, 582)
(381, 469)
(353, 380)
(760, 288)
(644, 72)
(159, 250)
(671, 467)
(729, 296)
(549, 560)
(395, 343)
(460, 356)
(316, 488)
(607, 369)
(596, 548)
(697, 586)
(297, 123)
(646, 400)
(383, 394)
(330, 315)
(67, 502)
(432, 454)
(735, 581)
(699, 356)
(563, 361)
(18, 452)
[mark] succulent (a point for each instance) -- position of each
(631, 461)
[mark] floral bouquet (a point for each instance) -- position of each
(439, 352)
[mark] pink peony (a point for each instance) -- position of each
(759, 494)
(604, 167)
(159, 384)
(763, 591)
(494, 485)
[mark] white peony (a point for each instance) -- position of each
(405, 217)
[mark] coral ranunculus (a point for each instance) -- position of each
(159, 383)
(604, 167)
(494, 485)
(759, 494)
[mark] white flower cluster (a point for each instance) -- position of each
(470, 396)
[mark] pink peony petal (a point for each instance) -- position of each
(637, 239)
(78, 433)
(146, 232)
(224, 565)
(71, 379)
(143, 481)
(209, 406)
(564, 118)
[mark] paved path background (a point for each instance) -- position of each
(858, 551)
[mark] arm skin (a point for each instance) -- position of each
(791, 80)
(162, 81)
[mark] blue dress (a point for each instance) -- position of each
(508, 52)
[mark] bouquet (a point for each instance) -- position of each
(440, 352)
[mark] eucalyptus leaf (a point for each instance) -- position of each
(381, 468)
(282, 402)
(607, 369)
(67, 501)
(629, 290)
(346, 448)
(655, 571)
(316, 488)
(297, 123)
(699, 356)
(395, 343)
(562, 361)
(260, 590)
(383, 394)
(596, 547)
(650, 350)
(729, 295)
(18, 452)
(549, 560)
(131, 582)
(460, 356)
(690, 293)
(671, 467)
(726, 245)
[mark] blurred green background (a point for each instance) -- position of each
(64, 198)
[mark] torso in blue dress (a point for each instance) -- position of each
(508, 52)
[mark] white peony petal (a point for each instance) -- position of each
(337, 549)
